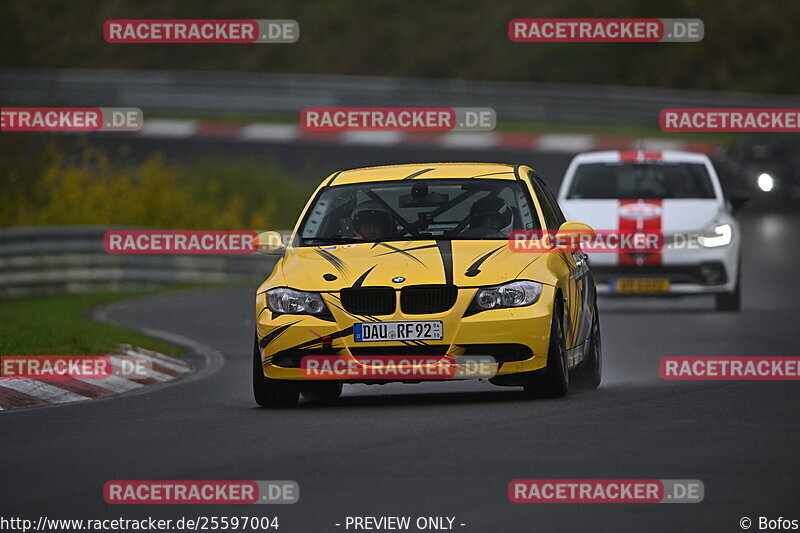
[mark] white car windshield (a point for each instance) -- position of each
(446, 209)
(631, 181)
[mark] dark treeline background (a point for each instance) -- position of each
(748, 46)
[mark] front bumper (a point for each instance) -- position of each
(517, 338)
(689, 271)
(710, 277)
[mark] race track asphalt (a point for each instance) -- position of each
(448, 449)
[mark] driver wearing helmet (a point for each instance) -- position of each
(372, 221)
(489, 216)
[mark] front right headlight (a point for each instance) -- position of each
(720, 235)
(289, 301)
(514, 294)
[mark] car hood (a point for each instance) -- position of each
(401, 263)
(670, 216)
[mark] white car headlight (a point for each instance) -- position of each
(766, 182)
(290, 301)
(719, 235)
(514, 294)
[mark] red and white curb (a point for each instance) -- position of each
(286, 133)
(157, 368)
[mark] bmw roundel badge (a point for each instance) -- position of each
(398, 279)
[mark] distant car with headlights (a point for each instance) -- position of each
(768, 168)
(676, 195)
(414, 260)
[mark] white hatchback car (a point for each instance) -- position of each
(674, 194)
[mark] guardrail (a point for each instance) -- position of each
(56, 259)
(227, 92)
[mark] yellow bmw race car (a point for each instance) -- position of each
(415, 261)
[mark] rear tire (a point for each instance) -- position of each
(553, 380)
(268, 392)
(590, 372)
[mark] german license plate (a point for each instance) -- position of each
(640, 285)
(423, 330)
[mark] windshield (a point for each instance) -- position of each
(418, 209)
(631, 181)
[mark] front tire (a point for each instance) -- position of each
(268, 392)
(729, 301)
(590, 372)
(553, 380)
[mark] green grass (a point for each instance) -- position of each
(60, 325)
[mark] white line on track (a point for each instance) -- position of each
(565, 143)
(168, 128)
(469, 140)
(260, 131)
(372, 137)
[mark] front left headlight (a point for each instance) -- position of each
(514, 294)
(289, 301)
(718, 235)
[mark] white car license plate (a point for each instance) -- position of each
(423, 330)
